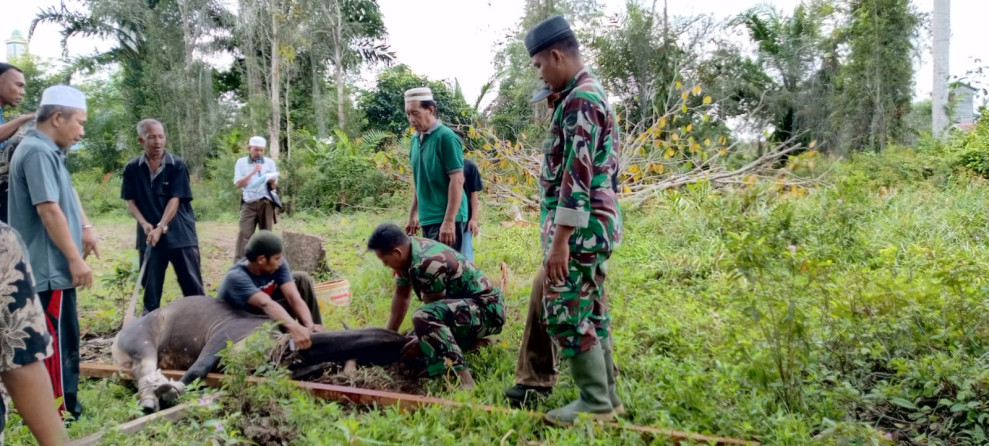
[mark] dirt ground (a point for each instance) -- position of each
(96, 349)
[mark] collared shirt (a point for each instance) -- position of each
(151, 192)
(440, 272)
(432, 129)
(167, 159)
(257, 186)
(434, 156)
(38, 175)
(578, 181)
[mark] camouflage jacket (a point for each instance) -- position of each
(439, 272)
(579, 178)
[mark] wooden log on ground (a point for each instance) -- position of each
(409, 402)
(171, 414)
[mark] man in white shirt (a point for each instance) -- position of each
(257, 176)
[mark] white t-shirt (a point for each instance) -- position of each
(256, 188)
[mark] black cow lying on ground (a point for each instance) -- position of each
(189, 333)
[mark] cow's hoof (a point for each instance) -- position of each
(149, 405)
(169, 392)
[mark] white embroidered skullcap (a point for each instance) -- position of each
(418, 94)
(64, 96)
(257, 141)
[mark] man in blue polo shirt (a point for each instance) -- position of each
(45, 210)
(156, 187)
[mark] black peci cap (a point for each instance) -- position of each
(546, 33)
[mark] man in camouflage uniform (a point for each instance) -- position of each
(580, 218)
(460, 306)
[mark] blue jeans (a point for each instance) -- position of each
(468, 246)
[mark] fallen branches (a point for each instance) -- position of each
(682, 146)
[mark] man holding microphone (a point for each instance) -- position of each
(257, 177)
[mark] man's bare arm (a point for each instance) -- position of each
(475, 215)
(170, 210)
(399, 307)
(10, 128)
(31, 391)
(454, 196)
(275, 311)
(58, 229)
(89, 239)
(136, 213)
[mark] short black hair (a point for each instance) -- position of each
(386, 237)
(567, 45)
(45, 112)
(426, 104)
(6, 66)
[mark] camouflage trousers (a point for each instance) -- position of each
(576, 310)
(447, 326)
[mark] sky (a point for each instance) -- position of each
(455, 39)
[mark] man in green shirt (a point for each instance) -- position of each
(437, 157)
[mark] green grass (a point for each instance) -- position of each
(842, 314)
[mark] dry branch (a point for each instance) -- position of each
(655, 155)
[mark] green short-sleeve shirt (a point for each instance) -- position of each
(433, 160)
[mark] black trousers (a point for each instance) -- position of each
(63, 364)
(185, 263)
(433, 232)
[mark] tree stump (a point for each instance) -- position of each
(305, 252)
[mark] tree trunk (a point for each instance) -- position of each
(880, 80)
(341, 115)
(288, 121)
(186, 30)
(254, 87)
(317, 97)
(941, 47)
(338, 45)
(274, 126)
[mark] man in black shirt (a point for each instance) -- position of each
(472, 187)
(156, 187)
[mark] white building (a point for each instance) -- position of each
(16, 45)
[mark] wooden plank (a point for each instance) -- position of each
(171, 414)
(408, 402)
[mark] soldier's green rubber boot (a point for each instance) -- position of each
(609, 364)
(588, 369)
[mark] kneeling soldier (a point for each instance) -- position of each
(460, 305)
